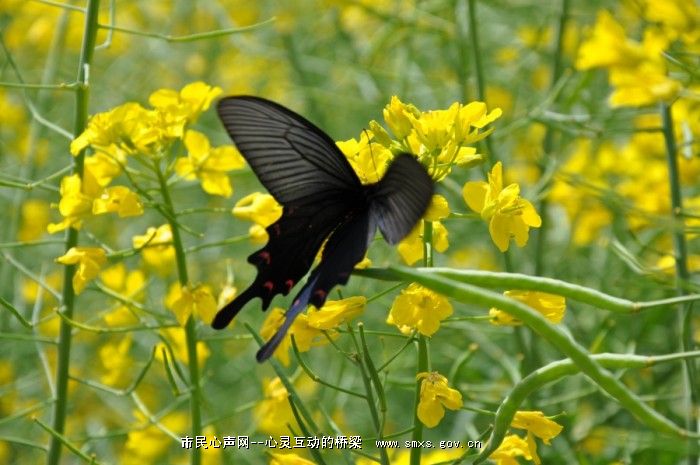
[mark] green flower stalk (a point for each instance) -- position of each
(58, 421)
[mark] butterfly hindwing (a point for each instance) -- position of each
(345, 248)
(400, 198)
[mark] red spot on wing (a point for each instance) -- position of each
(276, 229)
(290, 284)
(265, 256)
(321, 294)
(268, 285)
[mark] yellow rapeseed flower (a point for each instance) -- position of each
(119, 200)
(262, 209)
(336, 312)
(507, 214)
(177, 340)
(512, 446)
(411, 247)
(75, 204)
(130, 285)
(34, 218)
(536, 424)
(118, 365)
(550, 306)
(369, 159)
(208, 164)
(638, 71)
(398, 117)
(273, 413)
(435, 396)
(146, 443)
(419, 308)
(156, 248)
(89, 261)
(176, 109)
(191, 301)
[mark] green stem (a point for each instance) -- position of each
(499, 280)
(554, 372)
(685, 318)
(548, 142)
(479, 72)
(422, 343)
(190, 327)
(68, 295)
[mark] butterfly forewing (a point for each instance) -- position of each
(400, 199)
(294, 159)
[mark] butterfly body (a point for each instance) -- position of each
(322, 200)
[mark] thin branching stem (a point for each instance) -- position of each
(58, 421)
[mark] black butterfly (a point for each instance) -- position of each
(321, 197)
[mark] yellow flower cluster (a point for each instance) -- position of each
(638, 70)
(310, 329)
(440, 139)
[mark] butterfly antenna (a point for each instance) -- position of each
(231, 309)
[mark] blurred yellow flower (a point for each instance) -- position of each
(550, 306)
(638, 71)
(438, 208)
(288, 459)
(146, 443)
(419, 308)
(336, 312)
(208, 164)
(34, 218)
(117, 364)
(119, 200)
(227, 294)
(507, 214)
(89, 261)
(177, 341)
(678, 18)
(260, 208)
(411, 247)
(512, 446)
(191, 301)
(156, 248)
(273, 413)
(435, 396)
(130, 285)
